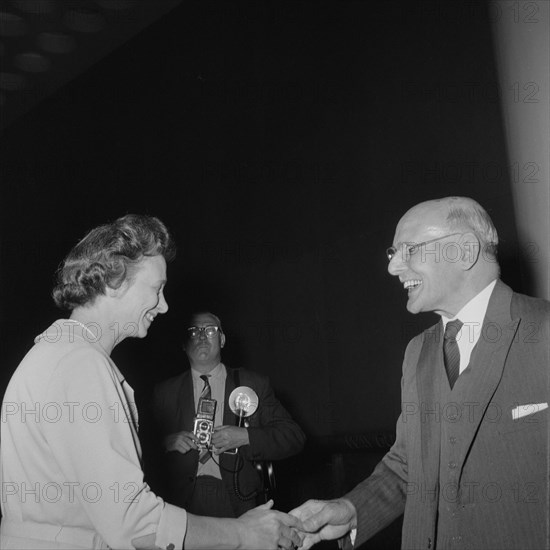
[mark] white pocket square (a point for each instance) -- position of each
(524, 410)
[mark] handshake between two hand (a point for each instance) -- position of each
(310, 523)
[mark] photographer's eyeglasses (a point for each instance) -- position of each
(411, 248)
(210, 331)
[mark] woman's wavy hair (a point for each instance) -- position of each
(108, 256)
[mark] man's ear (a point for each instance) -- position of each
(222, 340)
(471, 249)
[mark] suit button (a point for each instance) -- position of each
(429, 543)
(452, 439)
(452, 465)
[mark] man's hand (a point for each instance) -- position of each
(225, 438)
(182, 442)
(325, 520)
(269, 529)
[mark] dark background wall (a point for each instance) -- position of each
(281, 143)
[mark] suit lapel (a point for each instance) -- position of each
(185, 408)
(428, 376)
(229, 418)
(126, 394)
(488, 360)
(228, 461)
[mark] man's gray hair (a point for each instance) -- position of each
(467, 213)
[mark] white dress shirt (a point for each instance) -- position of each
(472, 315)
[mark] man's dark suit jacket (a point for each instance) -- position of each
(500, 497)
(272, 433)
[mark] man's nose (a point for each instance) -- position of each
(202, 334)
(396, 265)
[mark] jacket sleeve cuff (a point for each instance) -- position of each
(348, 542)
(172, 528)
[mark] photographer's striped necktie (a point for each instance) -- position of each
(206, 393)
(206, 390)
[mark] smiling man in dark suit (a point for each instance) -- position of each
(469, 468)
(219, 482)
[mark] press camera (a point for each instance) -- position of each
(203, 426)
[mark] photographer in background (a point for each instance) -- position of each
(222, 480)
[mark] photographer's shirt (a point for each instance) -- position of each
(216, 379)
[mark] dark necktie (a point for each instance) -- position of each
(206, 393)
(451, 354)
(206, 390)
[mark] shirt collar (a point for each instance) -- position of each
(214, 373)
(474, 311)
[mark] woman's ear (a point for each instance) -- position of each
(111, 292)
(117, 292)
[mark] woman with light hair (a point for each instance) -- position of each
(70, 454)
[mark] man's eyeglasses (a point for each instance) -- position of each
(210, 331)
(411, 248)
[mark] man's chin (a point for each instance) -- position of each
(413, 305)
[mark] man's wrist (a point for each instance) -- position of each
(353, 512)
